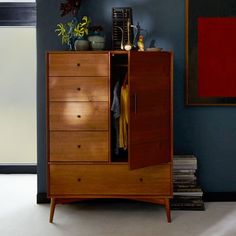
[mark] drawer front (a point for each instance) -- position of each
(109, 179)
(78, 115)
(73, 64)
(78, 146)
(78, 89)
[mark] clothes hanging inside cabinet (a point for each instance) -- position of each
(120, 115)
(123, 120)
(116, 114)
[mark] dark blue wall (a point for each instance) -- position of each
(207, 132)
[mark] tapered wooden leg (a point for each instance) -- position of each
(167, 206)
(52, 209)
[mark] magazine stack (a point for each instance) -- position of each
(188, 194)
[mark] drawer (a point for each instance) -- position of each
(78, 88)
(78, 115)
(76, 64)
(78, 146)
(109, 180)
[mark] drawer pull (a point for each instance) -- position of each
(141, 179)
(79, 116)
(78, 89)
(78, 64)
(79, 179)
(79, 146)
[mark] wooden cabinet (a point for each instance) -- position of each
(81, 139)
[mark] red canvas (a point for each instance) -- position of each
(217, 57)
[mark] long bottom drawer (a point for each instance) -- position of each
(109, 180)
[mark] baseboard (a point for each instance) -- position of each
(42, 198)
(18, 169)
(219, 197)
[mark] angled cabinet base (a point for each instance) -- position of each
(155, 200)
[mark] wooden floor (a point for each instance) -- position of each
(20, 215)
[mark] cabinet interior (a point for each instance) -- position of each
(119, 69)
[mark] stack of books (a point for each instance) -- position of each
(188, 194)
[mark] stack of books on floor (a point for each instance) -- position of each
(188, 194)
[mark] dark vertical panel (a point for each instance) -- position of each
(150, 118)
(17, 14)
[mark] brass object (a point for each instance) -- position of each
(128, 45)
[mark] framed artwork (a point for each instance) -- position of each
(211, 52)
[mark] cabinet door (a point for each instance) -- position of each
(150, 117)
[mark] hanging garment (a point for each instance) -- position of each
(116, 114)
(123, 121)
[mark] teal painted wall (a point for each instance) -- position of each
(207, 132)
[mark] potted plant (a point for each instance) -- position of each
(96, 37)
(74, 34)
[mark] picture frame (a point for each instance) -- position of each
(210, 53)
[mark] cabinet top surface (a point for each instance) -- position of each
(103, 52)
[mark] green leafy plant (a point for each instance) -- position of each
(72, 30)
(81, 29)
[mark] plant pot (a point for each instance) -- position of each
(81, 45)
(97, 42)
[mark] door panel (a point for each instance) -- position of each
(150, 121)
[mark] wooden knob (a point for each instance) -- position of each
(78, 64)
(79, 146)
(79, 179)
(141, 179)
(79, 116)
(78, 89)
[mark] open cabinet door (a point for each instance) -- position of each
(150, 108)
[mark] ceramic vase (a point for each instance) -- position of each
(97, 42)
(81, 45)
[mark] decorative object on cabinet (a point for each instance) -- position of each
(96, 37)
(73, 31)
(210, 73)
(82, 160)
(128, 46)
(140, 43)
(81, 44)
(120, 18)
(138, 31)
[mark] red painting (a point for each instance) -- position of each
(216, 57)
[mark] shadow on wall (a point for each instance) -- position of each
(148, 12)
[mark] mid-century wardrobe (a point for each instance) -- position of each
(82, 163)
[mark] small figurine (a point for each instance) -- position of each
(141, 43)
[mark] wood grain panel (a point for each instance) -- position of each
(109, 179)
(78, 115)
(146, 152)
(78, 146)
(78, 64)
(78, 88)
(150, 108)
